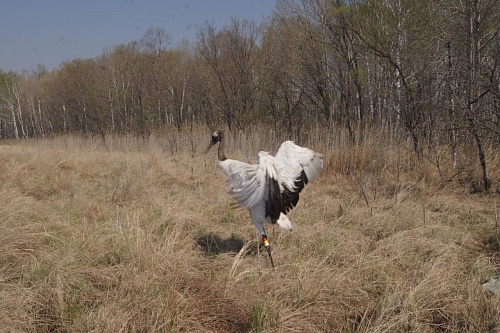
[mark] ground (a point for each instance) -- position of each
(134, 235)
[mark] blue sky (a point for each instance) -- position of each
(49, 32)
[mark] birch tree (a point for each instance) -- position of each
(10, 107)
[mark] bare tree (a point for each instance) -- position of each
(479, 25)
(9, 96)
(230, 54)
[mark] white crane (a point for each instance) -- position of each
(270, 189)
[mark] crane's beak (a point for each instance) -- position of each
(209, 146)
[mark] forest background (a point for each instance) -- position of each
(423, 70)
(113, 219)
(426, 71)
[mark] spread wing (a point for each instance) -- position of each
(275, 181)
(295, 166)
(245, 182)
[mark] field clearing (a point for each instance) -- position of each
(133, 235)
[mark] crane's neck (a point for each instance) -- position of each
(222, 148)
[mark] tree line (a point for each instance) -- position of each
(425, 70)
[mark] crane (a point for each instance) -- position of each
(269, 189)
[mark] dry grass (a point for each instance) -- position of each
(139, 236)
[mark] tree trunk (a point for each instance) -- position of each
(472, 13)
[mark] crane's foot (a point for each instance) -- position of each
(268, 248)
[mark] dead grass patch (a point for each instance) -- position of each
(138, 235)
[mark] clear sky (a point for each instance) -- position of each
(49, 32)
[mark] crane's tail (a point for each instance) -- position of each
(284, 222)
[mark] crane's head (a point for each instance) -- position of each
(216, 137)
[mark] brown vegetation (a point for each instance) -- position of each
(112, 222)
(138, 235)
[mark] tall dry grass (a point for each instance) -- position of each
(138, 235)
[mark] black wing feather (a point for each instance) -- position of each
(290, 197)
(283, 201)
(273, 203)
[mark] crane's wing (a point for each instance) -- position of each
(275, 181)
(295, 167)
(246, 182)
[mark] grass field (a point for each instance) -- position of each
(133, 235)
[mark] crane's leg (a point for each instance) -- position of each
(258, 255)
(268, 248)
(258, 221)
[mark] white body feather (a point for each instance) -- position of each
(249, 183)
